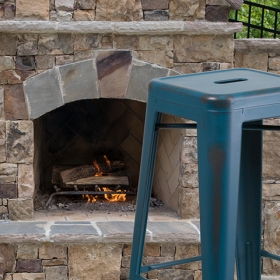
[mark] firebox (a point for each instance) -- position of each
(91, 147)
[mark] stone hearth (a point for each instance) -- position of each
(53, 248)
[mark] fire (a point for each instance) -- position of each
(90, 198)
(107, 161)
(98, 173)
(114, 197)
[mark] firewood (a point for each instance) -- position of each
(85, 171)
(56, 179)
(78, 173)
(101, 180)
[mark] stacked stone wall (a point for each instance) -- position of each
(49, 261)
(23, 56)
(103, 10)
(261, 55)
(27, 53)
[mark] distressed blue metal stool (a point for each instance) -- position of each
(229, 107)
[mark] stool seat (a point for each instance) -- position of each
(227, 89)
(222, 103)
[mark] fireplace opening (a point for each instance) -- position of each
(91, 148)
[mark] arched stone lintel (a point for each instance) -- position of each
(111, 74)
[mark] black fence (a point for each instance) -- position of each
(259, 21)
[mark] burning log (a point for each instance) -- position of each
(85, 171)
(107, 173)
(90, 175)
(101, 180)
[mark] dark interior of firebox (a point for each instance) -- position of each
(86, 147)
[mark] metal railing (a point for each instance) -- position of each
(255, 17)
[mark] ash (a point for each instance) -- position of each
(77, 203)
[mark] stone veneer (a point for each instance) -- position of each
(260, 54)
(52, 55)
(107, 65)
(40, 36)
(105, 10)
(85, 249)
(94, 250)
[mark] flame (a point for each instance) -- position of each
(98, 173)
(89, 197)
(110, 197)
(114, 197)
(107, 161)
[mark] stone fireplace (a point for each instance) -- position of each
(96, 107)
(66, 66)
(97, 87)
(73, 84)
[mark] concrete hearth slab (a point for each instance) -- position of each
(168, 231)
(96, 232)
(116, 231)
(72, 231)
(119, 217)
(26, 231)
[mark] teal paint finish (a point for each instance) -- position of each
(229, 164)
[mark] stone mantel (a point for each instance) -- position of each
(128, 28)
(258, 45)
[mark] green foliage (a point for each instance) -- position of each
(256, 19)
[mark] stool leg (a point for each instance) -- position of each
(144, 190)
(249, 230)
(219, 148)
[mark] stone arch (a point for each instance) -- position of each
(110, 74)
